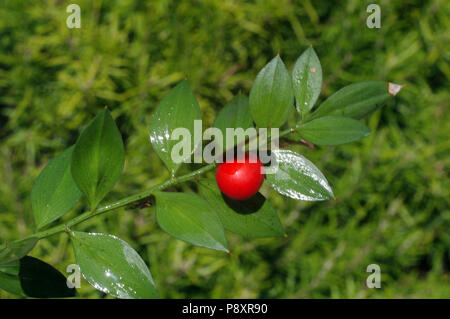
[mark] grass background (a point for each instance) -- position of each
(393, 186)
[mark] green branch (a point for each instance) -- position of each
(128, 200)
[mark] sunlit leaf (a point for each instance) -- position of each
(190, 218)
(332, 130)
(298, 178)
(355, 100)
(307, 80)
(177, 111)
(271, 97)
(98, 158)
(54, 193)
(110, 265)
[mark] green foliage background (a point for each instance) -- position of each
(393, 186)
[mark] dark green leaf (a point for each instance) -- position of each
(272, 97)
(110, 265)
(190, 218)
(236, 114)
(98, 158)
(307, 80)
(17, 249)
(178, 109)
(332, 130)
(36, 279)
(252, 218)
(54, 193)
(355, 100)
(298, 178)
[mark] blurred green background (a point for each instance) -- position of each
(393, 186)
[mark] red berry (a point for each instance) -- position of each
(240, 179)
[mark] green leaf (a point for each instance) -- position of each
(190, 218)
(36, 279)
(98, 158)
(17, 249)
(178, 109)
(307, 80)
(236, 114)
(110, 265)
(355, 100)
(11, 284)
(252, 218)
(298, 178)
(332, 130)
(11, 268)
(54, 193)
(272, 97)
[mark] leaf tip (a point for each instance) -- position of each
(393, 88)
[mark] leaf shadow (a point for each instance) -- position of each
(246, 206)
(40, 280)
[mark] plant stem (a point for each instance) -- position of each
(120, 203)
(129, 200)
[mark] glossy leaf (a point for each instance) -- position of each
(36, 279)
(272, 97)
(355, 100)
(252, 218)
(98, 158)
(178, 109)
(298, 178)
(55, 192)
(110, 265)
(15, 250)
(307, 80)
(190, 218)
(236, 114)
(332, 130)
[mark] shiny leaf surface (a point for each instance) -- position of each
(98, 158)
(332, 130)
(17, 249)
(271, 97)
(307, 80)
(236, 114)
(54, 193)
(252, 218)
(110, 265)
(190, 218)
(177, 110)
(355, 100)
(298, 178)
